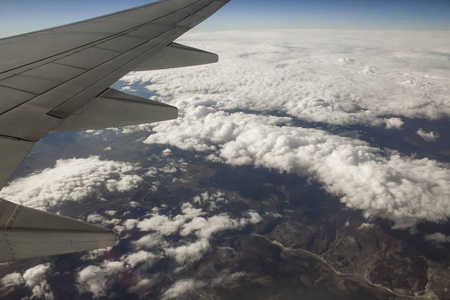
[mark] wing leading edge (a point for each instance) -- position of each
(59, 79)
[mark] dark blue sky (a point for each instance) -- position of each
(26, 15)
(353, 14)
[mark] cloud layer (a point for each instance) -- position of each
(71, 180)
(402, 189)
(329, 76)
(333, 77)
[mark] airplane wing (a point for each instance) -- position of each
(60, 78)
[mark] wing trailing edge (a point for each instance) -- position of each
(27, 233)
(114, 108)
(175, 56)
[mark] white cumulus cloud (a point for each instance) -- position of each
(190, 252)
(428, 136)
(34, 278)
(437, 238)
(136, 258)
(166, 225)
(190, 221)
(93, 279)
(204, 228)
(148, 241)
(12, 279)
(402, 189)
(394, 123)
(71, 180)
(182, 288)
